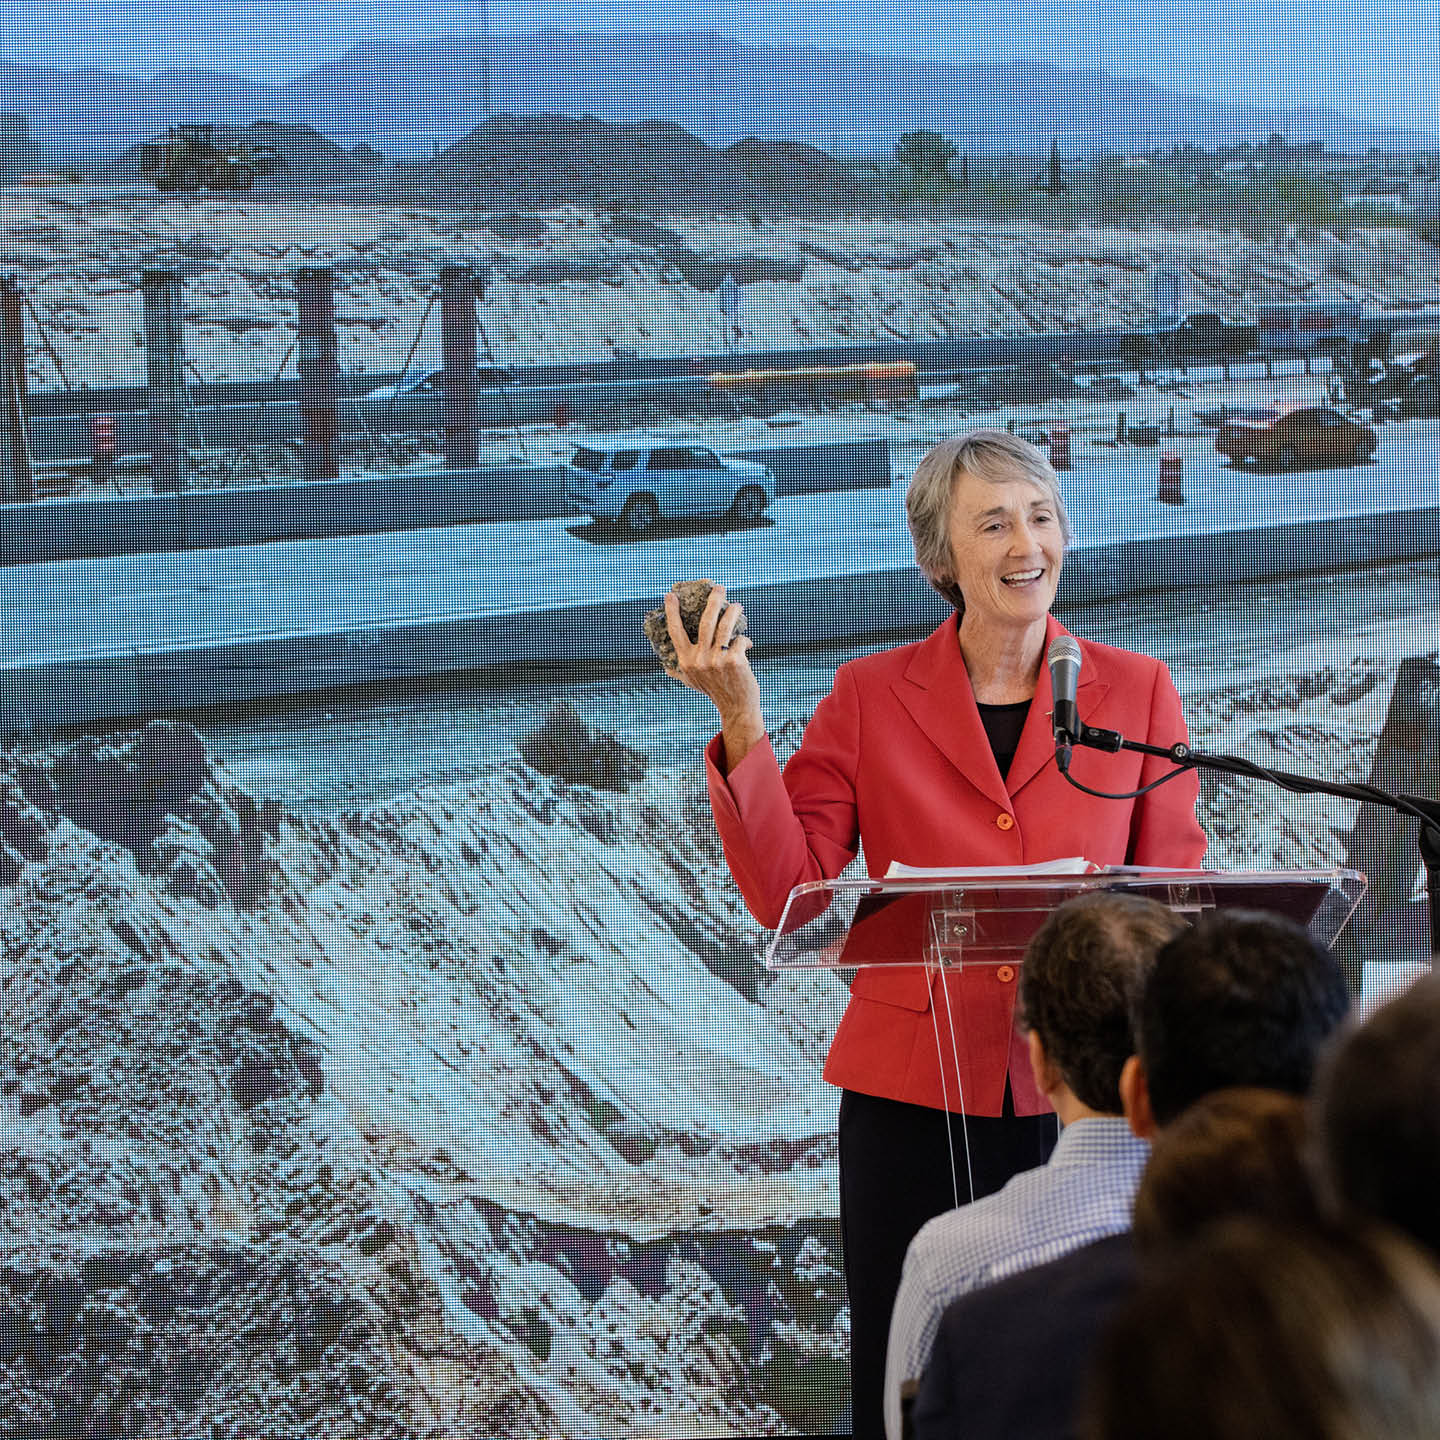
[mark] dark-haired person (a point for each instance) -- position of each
(1075, 986)
(1237, 1151)
(1377, 1111)
(936, 753)
(1261, 1330)
(1240, 998)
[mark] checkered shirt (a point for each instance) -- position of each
(1083, 1192)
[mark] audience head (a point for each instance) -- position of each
(1239, 1151)
(1377, 1110)
(1080, 971)
(1264, 1330)
(1240, 998)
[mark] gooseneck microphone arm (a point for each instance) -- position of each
(1427, 812)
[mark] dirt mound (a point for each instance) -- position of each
(786, 162)
(158, 794)
(567, 748)
(310, 158)
(544, 160)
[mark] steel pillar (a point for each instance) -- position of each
(165, 373)
(17, 477)
(319, 366)
(458, 330)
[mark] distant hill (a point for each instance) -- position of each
(100, 110)
(409, 99)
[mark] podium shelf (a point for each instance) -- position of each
(988, 918)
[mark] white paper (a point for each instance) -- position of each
(1071, 865)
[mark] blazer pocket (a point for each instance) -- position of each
(905, 986)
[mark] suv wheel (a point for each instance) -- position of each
(1287, 457)
(640, 514)
(1363, 450)
(749, 506)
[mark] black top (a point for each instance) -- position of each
(1003, 724)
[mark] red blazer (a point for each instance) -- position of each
(896, 760)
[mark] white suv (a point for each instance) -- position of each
(638, 483)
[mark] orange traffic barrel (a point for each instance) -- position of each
(1059, 437)
(1170, 490)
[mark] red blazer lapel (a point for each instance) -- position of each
(935, 690)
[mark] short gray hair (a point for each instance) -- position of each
(993, 455)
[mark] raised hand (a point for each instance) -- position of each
(716, 663)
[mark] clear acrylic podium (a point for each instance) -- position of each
(969, 928)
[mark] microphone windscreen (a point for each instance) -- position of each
(1062, 648)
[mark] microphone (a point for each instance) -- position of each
(1064, 662)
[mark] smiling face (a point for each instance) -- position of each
(1006, 545)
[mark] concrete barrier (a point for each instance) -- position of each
(364, 505)
(367, 506)
(1264, 552)
(814, 611)
(69, 529)
(810, 469)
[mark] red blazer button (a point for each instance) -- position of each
(1004, 821)
(1005, 974)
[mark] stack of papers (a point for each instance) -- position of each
(1072, 865)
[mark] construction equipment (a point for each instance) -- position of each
(1411, 379)
(189, 157)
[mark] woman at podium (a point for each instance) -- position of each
(937, 753)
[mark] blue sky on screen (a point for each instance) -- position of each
(1377, 60)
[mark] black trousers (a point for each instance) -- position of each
(894, 1176)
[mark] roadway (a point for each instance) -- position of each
(100, 639)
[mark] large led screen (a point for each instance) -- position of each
(387, 1049)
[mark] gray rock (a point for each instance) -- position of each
(692, 595)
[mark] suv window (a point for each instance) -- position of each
(585, 459)
(702, 459)
(676, 459)
(624, 459)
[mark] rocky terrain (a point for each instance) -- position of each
(576, 281)
(466, 1115)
